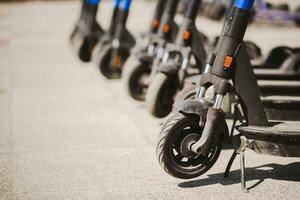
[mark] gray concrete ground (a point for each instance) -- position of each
(67, 133)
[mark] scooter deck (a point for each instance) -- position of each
(279, 87)
(279, 99)
(274, 74)
(286, 132)
(279, 83)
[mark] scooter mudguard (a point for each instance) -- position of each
(171, 67)
(84, 43)
(132, 61)
(193, 106)
(127, 42)
(200, 107)
(144, 57)
(194, 79)
(105, 49)
(127, 39)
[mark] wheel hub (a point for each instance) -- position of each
(186, 143)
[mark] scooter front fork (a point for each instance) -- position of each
(209, 63)
(213, 115)
(183, 70)
(116, 60)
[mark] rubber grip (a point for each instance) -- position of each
(117, 3)
(93, 2)
(244, 4)
(126, 5)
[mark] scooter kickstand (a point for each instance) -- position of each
(242, 166)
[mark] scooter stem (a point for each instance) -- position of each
(160, 6)
(117, 3)
(93, 2)
(230, 43)
(115, 14)
(192, 9)
(92, 9)
(122, 19)
(125, 10)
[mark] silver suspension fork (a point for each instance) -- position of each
(184, 64)
(160, 52)
(165, 57)
(151, 50)
(202, 90)
(218, 102)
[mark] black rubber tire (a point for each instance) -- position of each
(188, 92)
(86, 49)
(169, 138)
(160, 95)
(84, 41)
(132, 75)
(83, 45)
(105, 64)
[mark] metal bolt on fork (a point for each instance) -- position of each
(160, 52)
(151, 49)
(185, 63)
(165, 57)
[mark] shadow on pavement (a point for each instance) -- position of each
(289, 172)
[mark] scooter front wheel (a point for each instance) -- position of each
(112, 61)
(173, 153)
(84, 42)
(136, 78)
(160, 95)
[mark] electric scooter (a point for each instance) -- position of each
(191, 139)
(142, 44)
(112, 52)
(185, 54)
(87, 31)
(137, 70)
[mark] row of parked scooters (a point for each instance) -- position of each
(177, 68)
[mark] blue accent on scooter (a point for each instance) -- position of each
(126, 5)
(117, 3)
(93, 2)
(244, 4)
